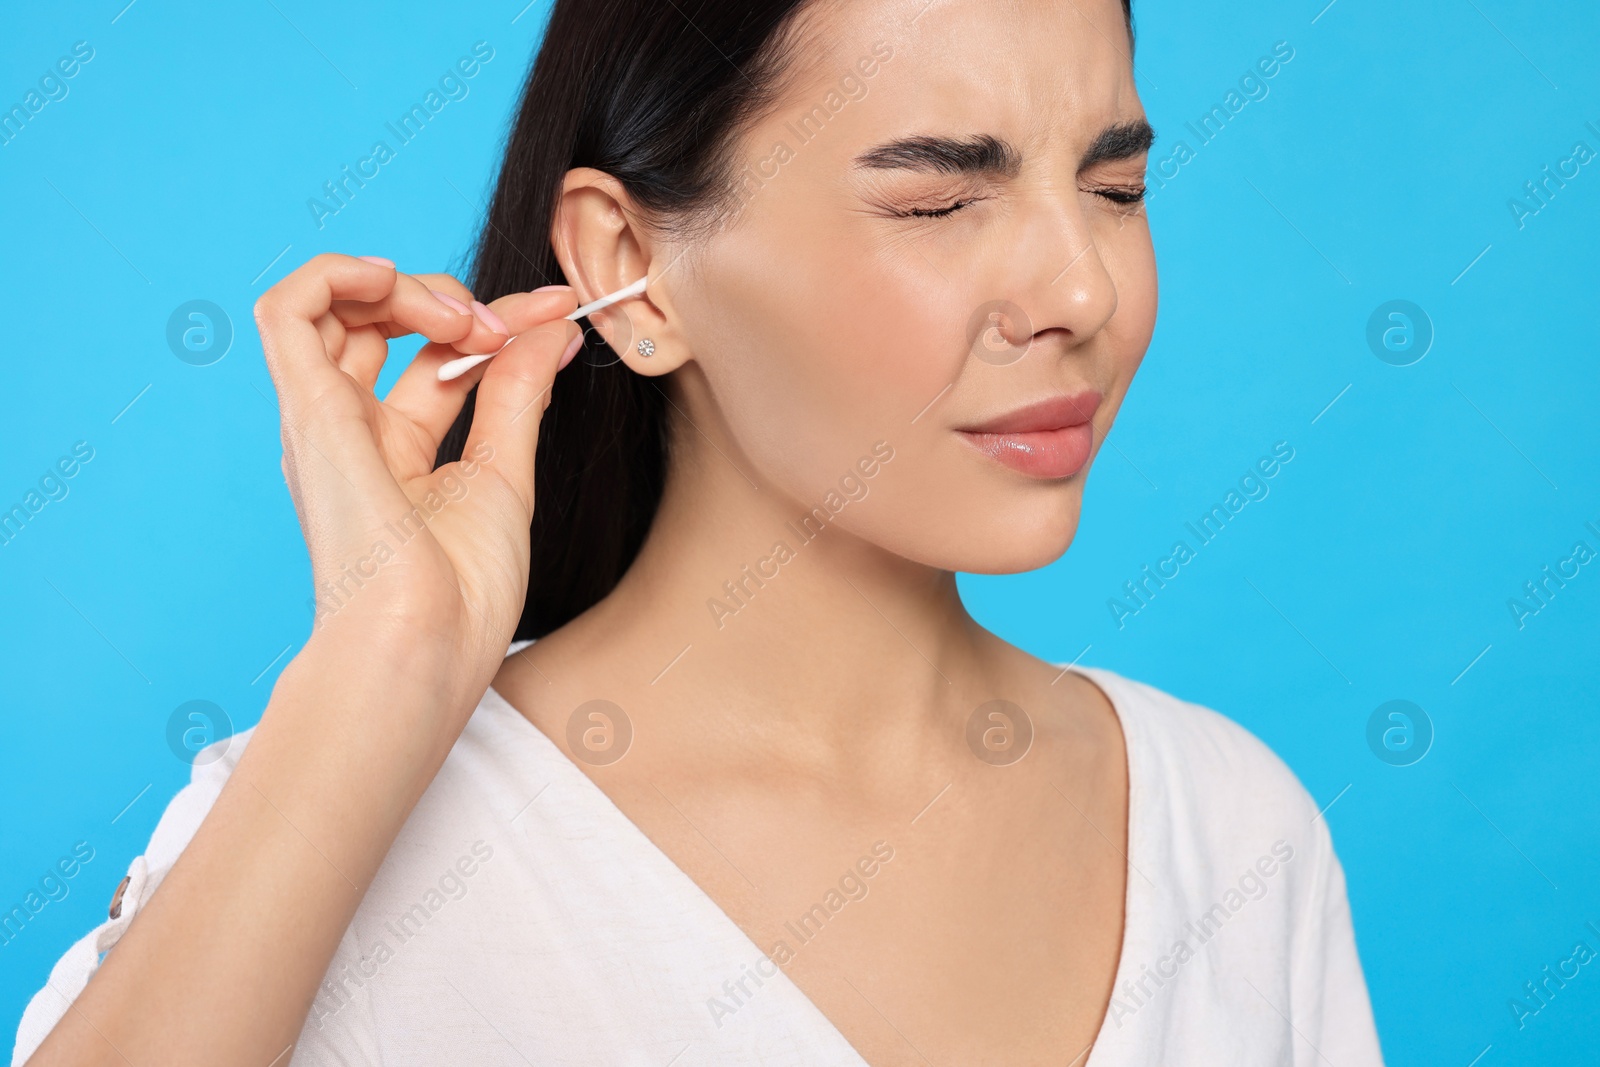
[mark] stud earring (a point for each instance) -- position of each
(647, 348)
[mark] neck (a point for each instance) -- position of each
(750, 600)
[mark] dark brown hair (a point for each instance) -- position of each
(656, 95)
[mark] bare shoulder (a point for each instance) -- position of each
(1072, 715)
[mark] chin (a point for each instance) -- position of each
(1017, 547)
(1012, 533)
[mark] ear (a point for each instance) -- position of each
(602, 246)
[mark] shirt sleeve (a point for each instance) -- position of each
(1332, 1011)
(176, 827)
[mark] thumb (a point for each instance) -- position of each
(512, 396)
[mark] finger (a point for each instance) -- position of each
(363, 354)
(433, 405)
(411, 307)
(524, 311)
(445, 283)
(512, 396)
(286, 314)
(333, 335)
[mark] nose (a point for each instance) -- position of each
(1063, 282)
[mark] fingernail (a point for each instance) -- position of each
(451, 302)
(572, 350)
(489, 318)
(552, 288)
(379, 260)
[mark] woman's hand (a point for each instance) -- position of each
(412, 564)
(421, 577)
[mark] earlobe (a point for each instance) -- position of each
(637, 346)
(602, 246)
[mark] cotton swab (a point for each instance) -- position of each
(457, 367)
(604, 302)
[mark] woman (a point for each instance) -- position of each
(761, 792)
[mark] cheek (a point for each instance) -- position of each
(1132, 264)
(1142, 289)
(814, 360)
(885, 348)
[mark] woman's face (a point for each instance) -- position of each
(936, 237)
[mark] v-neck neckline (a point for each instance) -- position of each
(1106, 681)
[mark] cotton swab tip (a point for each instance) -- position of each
(454, 369)
(449, 372)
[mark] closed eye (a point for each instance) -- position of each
(1122, 194)
(1117, 194)
(936, 213)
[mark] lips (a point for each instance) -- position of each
(1050, 439)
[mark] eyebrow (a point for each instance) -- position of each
(1122, 141)
(984, 154)
(987, 154)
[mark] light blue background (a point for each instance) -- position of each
(1379, 167)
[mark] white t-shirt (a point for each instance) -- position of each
(520, 918)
